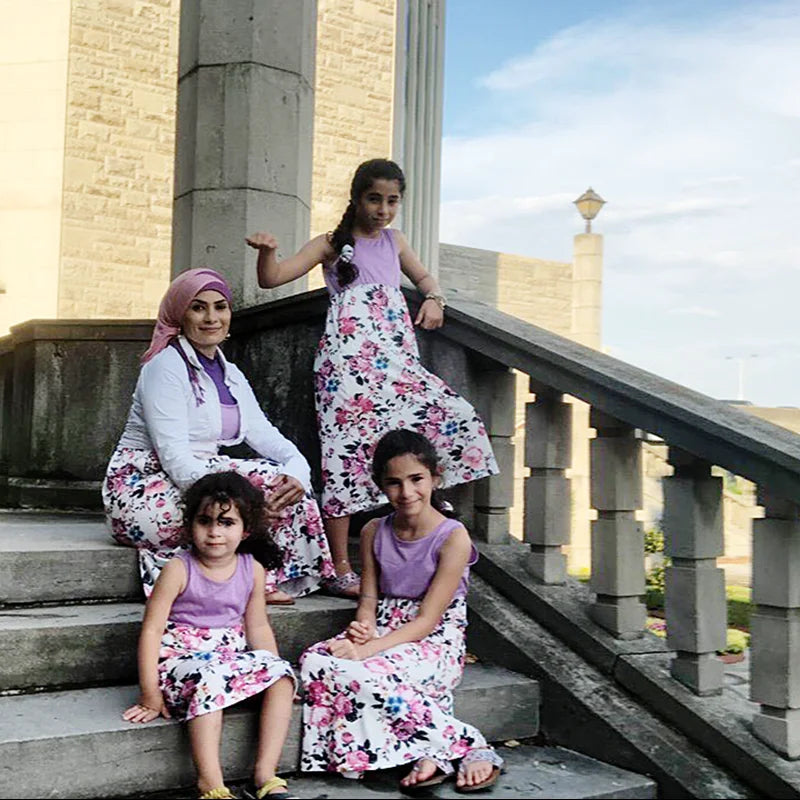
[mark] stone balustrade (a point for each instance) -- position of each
(65, 389)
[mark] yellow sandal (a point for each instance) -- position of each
(265, 790)
(220, 793)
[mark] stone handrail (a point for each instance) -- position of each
(700, 432)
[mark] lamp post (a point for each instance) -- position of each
(589, 205)
(741, 360)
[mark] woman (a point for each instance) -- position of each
(188, 401)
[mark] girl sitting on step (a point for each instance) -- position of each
(380, 694)
(206, 642)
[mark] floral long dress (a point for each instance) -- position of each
(369, 380)
(201, 670)
(145, 510)
(393, 708)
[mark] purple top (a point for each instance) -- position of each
(407, 568)
(377, 261)
(230, 410)
(213, 604)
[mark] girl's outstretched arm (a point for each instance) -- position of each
(256, 625)
(272, 273)
(431, 312)
(453, 558)
(169, 585)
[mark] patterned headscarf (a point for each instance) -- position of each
(176, 301)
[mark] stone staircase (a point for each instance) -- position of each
(70, 607)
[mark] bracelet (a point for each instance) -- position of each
(437, 298)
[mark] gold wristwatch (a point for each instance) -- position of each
(437, 298)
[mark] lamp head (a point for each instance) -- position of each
(589, 205)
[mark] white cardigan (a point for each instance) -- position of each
(165, 416)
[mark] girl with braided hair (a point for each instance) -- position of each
(368, 376)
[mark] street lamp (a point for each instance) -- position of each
(589, 204)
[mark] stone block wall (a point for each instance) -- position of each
(118, 157)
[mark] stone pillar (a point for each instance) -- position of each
(244, 135)
(617, 539)
(587, 302)
(494, 495)
(775, 625)
(695, 601)
(548, 453)
(418, 129)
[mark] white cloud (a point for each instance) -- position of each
(691, 132)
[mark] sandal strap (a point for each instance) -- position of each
(481, 754)
(272, 783)
(341, 582)
(443, 765)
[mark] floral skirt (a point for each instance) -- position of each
(393, 708)
(369, 380)
(201, 670)
(144, 510)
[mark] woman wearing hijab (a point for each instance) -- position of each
(188, 401)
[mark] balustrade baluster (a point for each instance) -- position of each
(695, 604)
(494, 495)
(548, 508)
(617, 540)
(775, 625)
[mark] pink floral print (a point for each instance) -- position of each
(144, 510)
(393, 708)
(369, 380)
(201, 670)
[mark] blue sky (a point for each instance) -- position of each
(685, 117)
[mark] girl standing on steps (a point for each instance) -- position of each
(368, 376)
(380, 694)
(206, 642)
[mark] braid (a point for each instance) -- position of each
(346, 270)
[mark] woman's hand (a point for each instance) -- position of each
(361, 632)
(147, 709)
(285, 492)
(430, 315)
(262, 241)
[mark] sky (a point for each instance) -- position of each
(685, 118)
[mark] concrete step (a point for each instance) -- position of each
(80, 645)
(75, 743)
(50, 557)
(530, 772)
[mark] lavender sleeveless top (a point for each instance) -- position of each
(228, 407)
(211, 604)
(407, 568)
(377, 261)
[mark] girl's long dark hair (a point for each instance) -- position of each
(232, 489)
(365, 174)
(402, 442)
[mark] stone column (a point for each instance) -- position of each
(418, 129)
(548, 507)
(244, 135)
(617, 538)
(695, 602)
(587, 310)
(775, 625)
(494, 495)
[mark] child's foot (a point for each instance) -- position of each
(348, 584)
(425, 773)
(478, 770)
